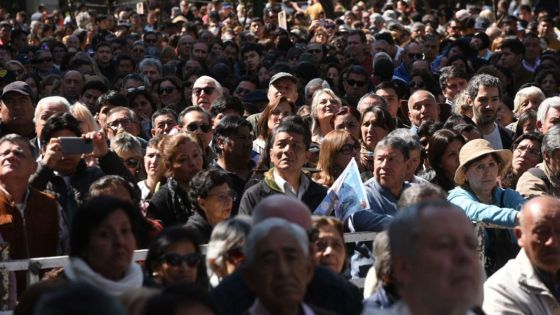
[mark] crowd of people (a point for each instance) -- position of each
(209, 133)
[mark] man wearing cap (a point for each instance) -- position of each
(484, 93)
(543, 178)
(16, 111)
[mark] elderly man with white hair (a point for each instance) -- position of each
(548, 114)
(205, 91)
(45, 108)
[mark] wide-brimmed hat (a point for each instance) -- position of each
(475, 149)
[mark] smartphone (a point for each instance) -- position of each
(76, 145)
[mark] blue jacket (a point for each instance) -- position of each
(503, 212)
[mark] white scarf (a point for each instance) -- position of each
(78, 270)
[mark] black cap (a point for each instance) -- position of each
(18, 87)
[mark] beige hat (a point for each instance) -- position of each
(475, 149)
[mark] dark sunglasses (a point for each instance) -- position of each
(176, 260)
(136, 89)
(349, 148)
(235, 254)
(207, 90)
(414, 84)
(355, 83)
(131, 162)
(192, 127)
(166, 90)
(415, 56)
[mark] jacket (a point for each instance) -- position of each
(516, 289)
(538, 181)
(45, 179)
(199, 227)
(170, 205)
(313, 196)
(510, 201)
(507, 137)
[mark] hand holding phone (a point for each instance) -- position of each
(75, 145)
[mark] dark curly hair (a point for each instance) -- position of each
(203, 182)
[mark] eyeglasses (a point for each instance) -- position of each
(176, 260)
(415, 56)
(131, 162)
(348, 149)
(119, 122)
(234, 255)
(136, 89)
(225, 197)
(355, 83)
(192, 127)
(207, 90)
(168, 90)
(534, 152)
(416, 84)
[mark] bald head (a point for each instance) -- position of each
(538, 233)
(282, 206)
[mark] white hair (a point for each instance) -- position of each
(217, 84)
(50, 100)
(551, 102)
(263, 229)
(524, 93)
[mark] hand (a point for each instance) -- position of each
(52, 153)
(99, 141)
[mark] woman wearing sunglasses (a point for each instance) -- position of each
(174, 257)
(212, 199)
(337, 150)
(129, 150)
(169, 92)
(225, 248)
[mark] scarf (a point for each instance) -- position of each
(78, 270)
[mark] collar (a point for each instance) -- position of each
(286, 188)
(529, 279)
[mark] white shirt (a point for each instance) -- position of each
(289, 189)
(494, 138)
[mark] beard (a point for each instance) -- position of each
(486, 117)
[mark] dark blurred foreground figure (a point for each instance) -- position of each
(181, 299)
(434, 257)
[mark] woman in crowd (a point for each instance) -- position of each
(375, 124)
(182, 159)
(211, 196)
(129, 150)
(142, 103)
(102, 242)
(482, 200)
(526, 99)
(175, 257)
(270, 118)
(443, 157)
(526, 155)
(331, 251)
(527, 122)
(152, 168)
(225, 248)
(549, 81)
(168, 89)
(87, 124)
(323, 107)
(348, 118)
(337, 150)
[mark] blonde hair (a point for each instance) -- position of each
(169, 144)
(315, 127)
(82, 113)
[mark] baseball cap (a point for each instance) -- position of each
(18, 87)
(282, 75)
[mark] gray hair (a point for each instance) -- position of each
(419, 192)
(411, 140)
(58, 100)
(217, 84)
(151, 62)
(551, 141)
(14, 137)
(263, 229)
(314, 83)
(125, 142)
(374, 96)
(406, 227)
(546, 105)
(524, 93)
(225, 236)
(485, 80)
(394, 142)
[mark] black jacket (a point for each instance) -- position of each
(170, 205)
(312, 198)
(200, 227)
(507, 137)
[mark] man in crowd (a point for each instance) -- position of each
(205, 91)
(422, 106)
(121, 119)
(484, 94)
(355, 81)
(288, 153)
(91, 90)
(17, 109)
(72, 84)
(252, 57)
(412, 51)
(528, 284)
(151, 68)
(548, 114)
(47, 107)
(512, 54)
(163, 121)
(452, 81)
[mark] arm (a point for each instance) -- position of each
(368, 220)
(531, 186)
(481, 212)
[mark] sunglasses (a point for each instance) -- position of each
(207, 90)
(234, 255)
(192, 127)
(45, 60)
(176, 260)
(132, 162)
(355, 83)
(166, 90)
(348, 149)
(136, 89)
(415, 56)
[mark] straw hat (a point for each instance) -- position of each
(475, 149)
